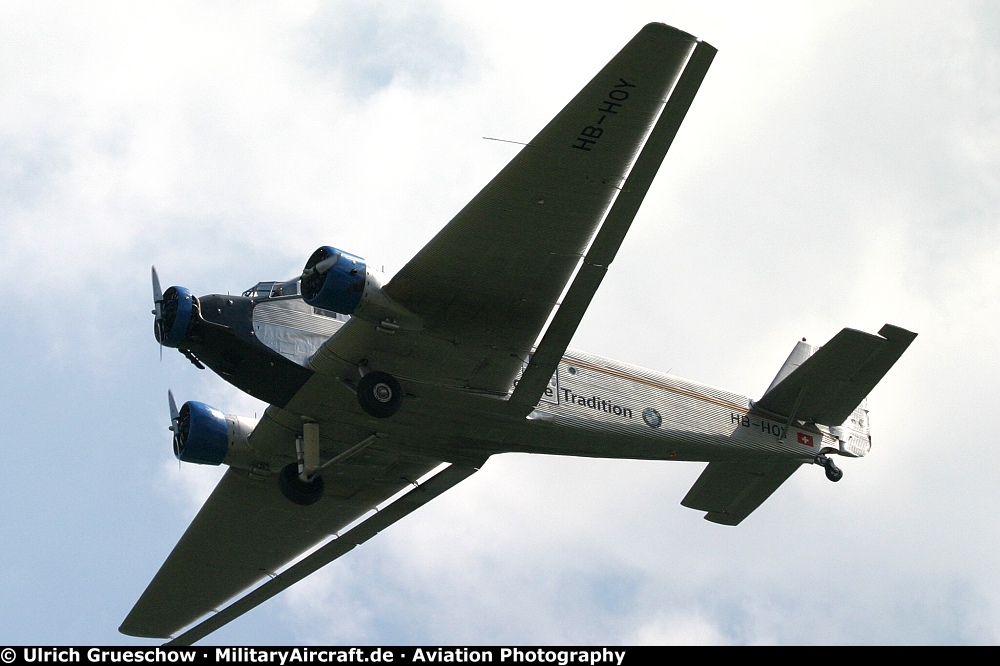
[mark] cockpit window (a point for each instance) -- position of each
(263, 290)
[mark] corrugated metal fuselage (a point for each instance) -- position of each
(598, 407)
(592, 407)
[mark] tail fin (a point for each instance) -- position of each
(827, 385)
(802, 351)
(822, 385)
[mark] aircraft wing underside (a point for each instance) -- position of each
(485, 285)
(247, 530)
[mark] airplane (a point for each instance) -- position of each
(384, 393)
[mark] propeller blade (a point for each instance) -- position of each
(157, 293)
(322, 267)
(175, 417)
(158, 309)
(174, 414)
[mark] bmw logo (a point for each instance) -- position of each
(652, 417)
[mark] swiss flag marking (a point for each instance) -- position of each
(805, 439)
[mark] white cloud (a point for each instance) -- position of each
(838, 168)
(678, 630)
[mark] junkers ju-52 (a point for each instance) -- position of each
(385, 393)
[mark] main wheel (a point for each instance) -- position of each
(833, 472)
(380, 394)
(297, 490)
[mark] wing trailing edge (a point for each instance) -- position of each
(612, 232)
(247, 530)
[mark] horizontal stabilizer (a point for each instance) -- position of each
(829, 385)
(730, 491)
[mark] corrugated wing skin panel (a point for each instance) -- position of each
(731, 491)
(831, 383)
(330, 551)
(613, 230)
(247, 530)
(488, 281)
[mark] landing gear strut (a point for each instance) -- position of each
(833, 472)
(380, 394)
(301, 482)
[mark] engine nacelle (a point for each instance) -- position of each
(334, 280)
(342, 282)
(205, 436)
(176, 312)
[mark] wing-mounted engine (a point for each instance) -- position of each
(336, 280)
(205, 436)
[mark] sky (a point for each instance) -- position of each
(840, 167)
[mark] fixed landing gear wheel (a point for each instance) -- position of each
(832, 471)
(380, 394)
(297, 490)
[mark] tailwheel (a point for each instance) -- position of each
(833, 472)
(295, 489)
(380, 394)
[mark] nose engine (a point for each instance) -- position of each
(174, 320)
(173, 310)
